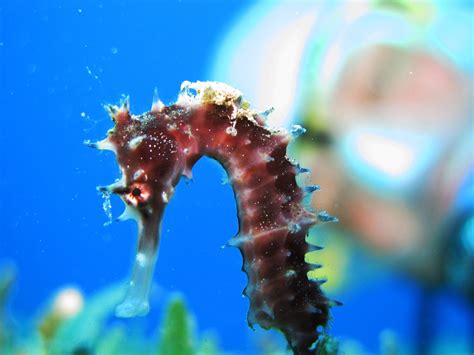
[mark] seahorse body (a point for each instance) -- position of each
(210, 119)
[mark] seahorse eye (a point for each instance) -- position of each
(137, 195)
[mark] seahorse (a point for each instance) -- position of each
(155, 149)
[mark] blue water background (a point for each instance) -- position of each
(60, 62)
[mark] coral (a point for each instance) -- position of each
(7, 278)
(176, 330)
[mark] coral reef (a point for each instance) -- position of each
(72, 323)
(94, 330)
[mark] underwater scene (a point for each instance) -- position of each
(237, 177)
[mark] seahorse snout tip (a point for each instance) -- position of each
(130, 309)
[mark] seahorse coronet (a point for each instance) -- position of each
(155, 149)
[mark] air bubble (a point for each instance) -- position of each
(107, 207)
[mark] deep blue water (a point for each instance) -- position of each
(59, 62)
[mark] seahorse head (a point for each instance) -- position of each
(150, 158)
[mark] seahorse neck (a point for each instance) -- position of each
(255, 159)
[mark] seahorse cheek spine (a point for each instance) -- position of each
(156, 148)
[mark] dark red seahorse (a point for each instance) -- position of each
(211, 119)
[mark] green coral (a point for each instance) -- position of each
(7, 278)
(90, 331)
(176, 332)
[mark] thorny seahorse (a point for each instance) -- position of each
(211, 119)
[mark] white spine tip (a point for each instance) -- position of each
(157, 105)
(267, 112)
(101, 145)
(112, 110)
(323, 216)
(312, 188)
(126, 103)
(297, 130)
(301, 170)
(90, 144)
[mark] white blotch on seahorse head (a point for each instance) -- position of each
(135, 142)
(140, 173)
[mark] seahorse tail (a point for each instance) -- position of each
(280, 293)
